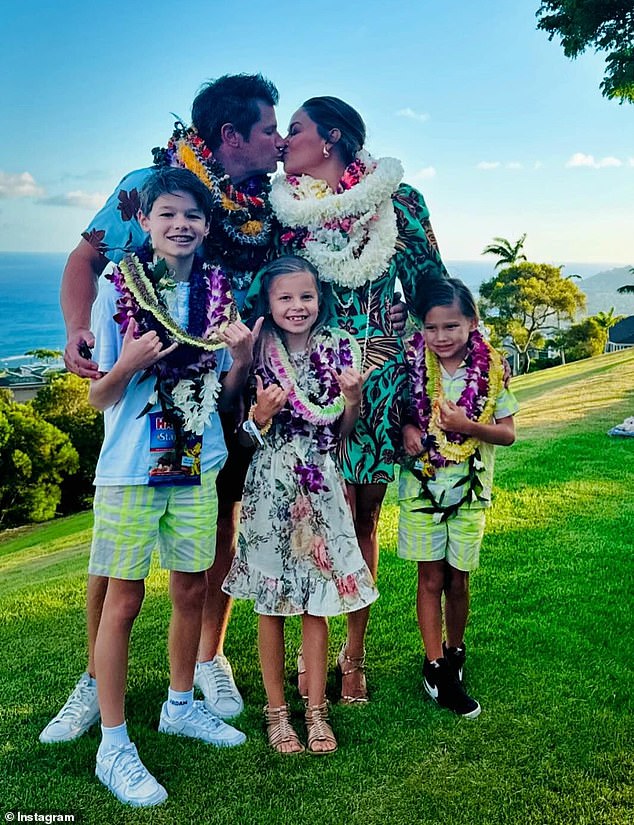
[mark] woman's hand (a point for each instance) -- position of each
(269, 402)
(412, 440)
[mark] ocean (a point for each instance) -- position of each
(31, 318)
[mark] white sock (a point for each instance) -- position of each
(114, 737)
(179, 702)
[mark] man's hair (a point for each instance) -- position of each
(170, 180)
(232, 98)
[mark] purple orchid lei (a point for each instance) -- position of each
(424, 389)
(314, 415)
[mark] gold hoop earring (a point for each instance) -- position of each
(325, 151)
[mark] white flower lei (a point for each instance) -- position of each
(362, 253)
(197, 413)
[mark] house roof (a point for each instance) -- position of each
(623, 332)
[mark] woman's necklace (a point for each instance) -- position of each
(349, 235)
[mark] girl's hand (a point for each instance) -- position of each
(239, 340)
(412, 440)
(140, 353)
(269, 401)
(351, 384)
(453, 418)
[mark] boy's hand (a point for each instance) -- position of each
(453, 418)
(140, 353)
(77, 354)
(239, 340)
(412, 440)
(269, 401)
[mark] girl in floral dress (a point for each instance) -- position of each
(297, 550)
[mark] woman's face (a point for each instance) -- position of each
(304, 152)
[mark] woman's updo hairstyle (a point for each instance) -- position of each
(329, 113)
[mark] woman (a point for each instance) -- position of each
(362, 228)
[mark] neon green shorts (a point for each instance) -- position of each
(457, 540)
(132, 521)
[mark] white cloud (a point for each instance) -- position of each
(630, 161)
(20, 185)
(538, 164)
(421, 117)
(514, 164)
(488, 164)
(79, 199)
(424, 174)
(581, 159)
(609, 161)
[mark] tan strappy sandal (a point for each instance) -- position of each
(280, 731)
(345, 666)
(319, 730)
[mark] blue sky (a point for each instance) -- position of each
(500, 131)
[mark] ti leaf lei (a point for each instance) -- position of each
(186, 384)
(483, 382)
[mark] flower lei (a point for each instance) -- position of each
(244, 214)
(349, 235)
(329, 406)
(186, 384)
(483, 382)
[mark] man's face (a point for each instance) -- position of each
(262, 150)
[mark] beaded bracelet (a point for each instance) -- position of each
(265, 427)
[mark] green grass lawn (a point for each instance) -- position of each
(550, 642)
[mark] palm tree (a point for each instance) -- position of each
(606, 320)
(507, 252)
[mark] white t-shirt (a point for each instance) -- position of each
(125, 453)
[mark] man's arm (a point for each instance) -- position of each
(78, 292)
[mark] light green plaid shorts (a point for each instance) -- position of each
(132, 521)
(457, 540)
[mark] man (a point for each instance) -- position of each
(233, 146)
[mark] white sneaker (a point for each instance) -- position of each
(215, 680)
(123, 773)
(80, 713)
(200, 723)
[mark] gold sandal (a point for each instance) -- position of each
(319, 730)
(301, 675)
(345, 666)
(280, 731)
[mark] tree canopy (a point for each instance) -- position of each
(34, 459)
(606, 26)
(527, 299)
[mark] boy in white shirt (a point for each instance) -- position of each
(168, 349)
